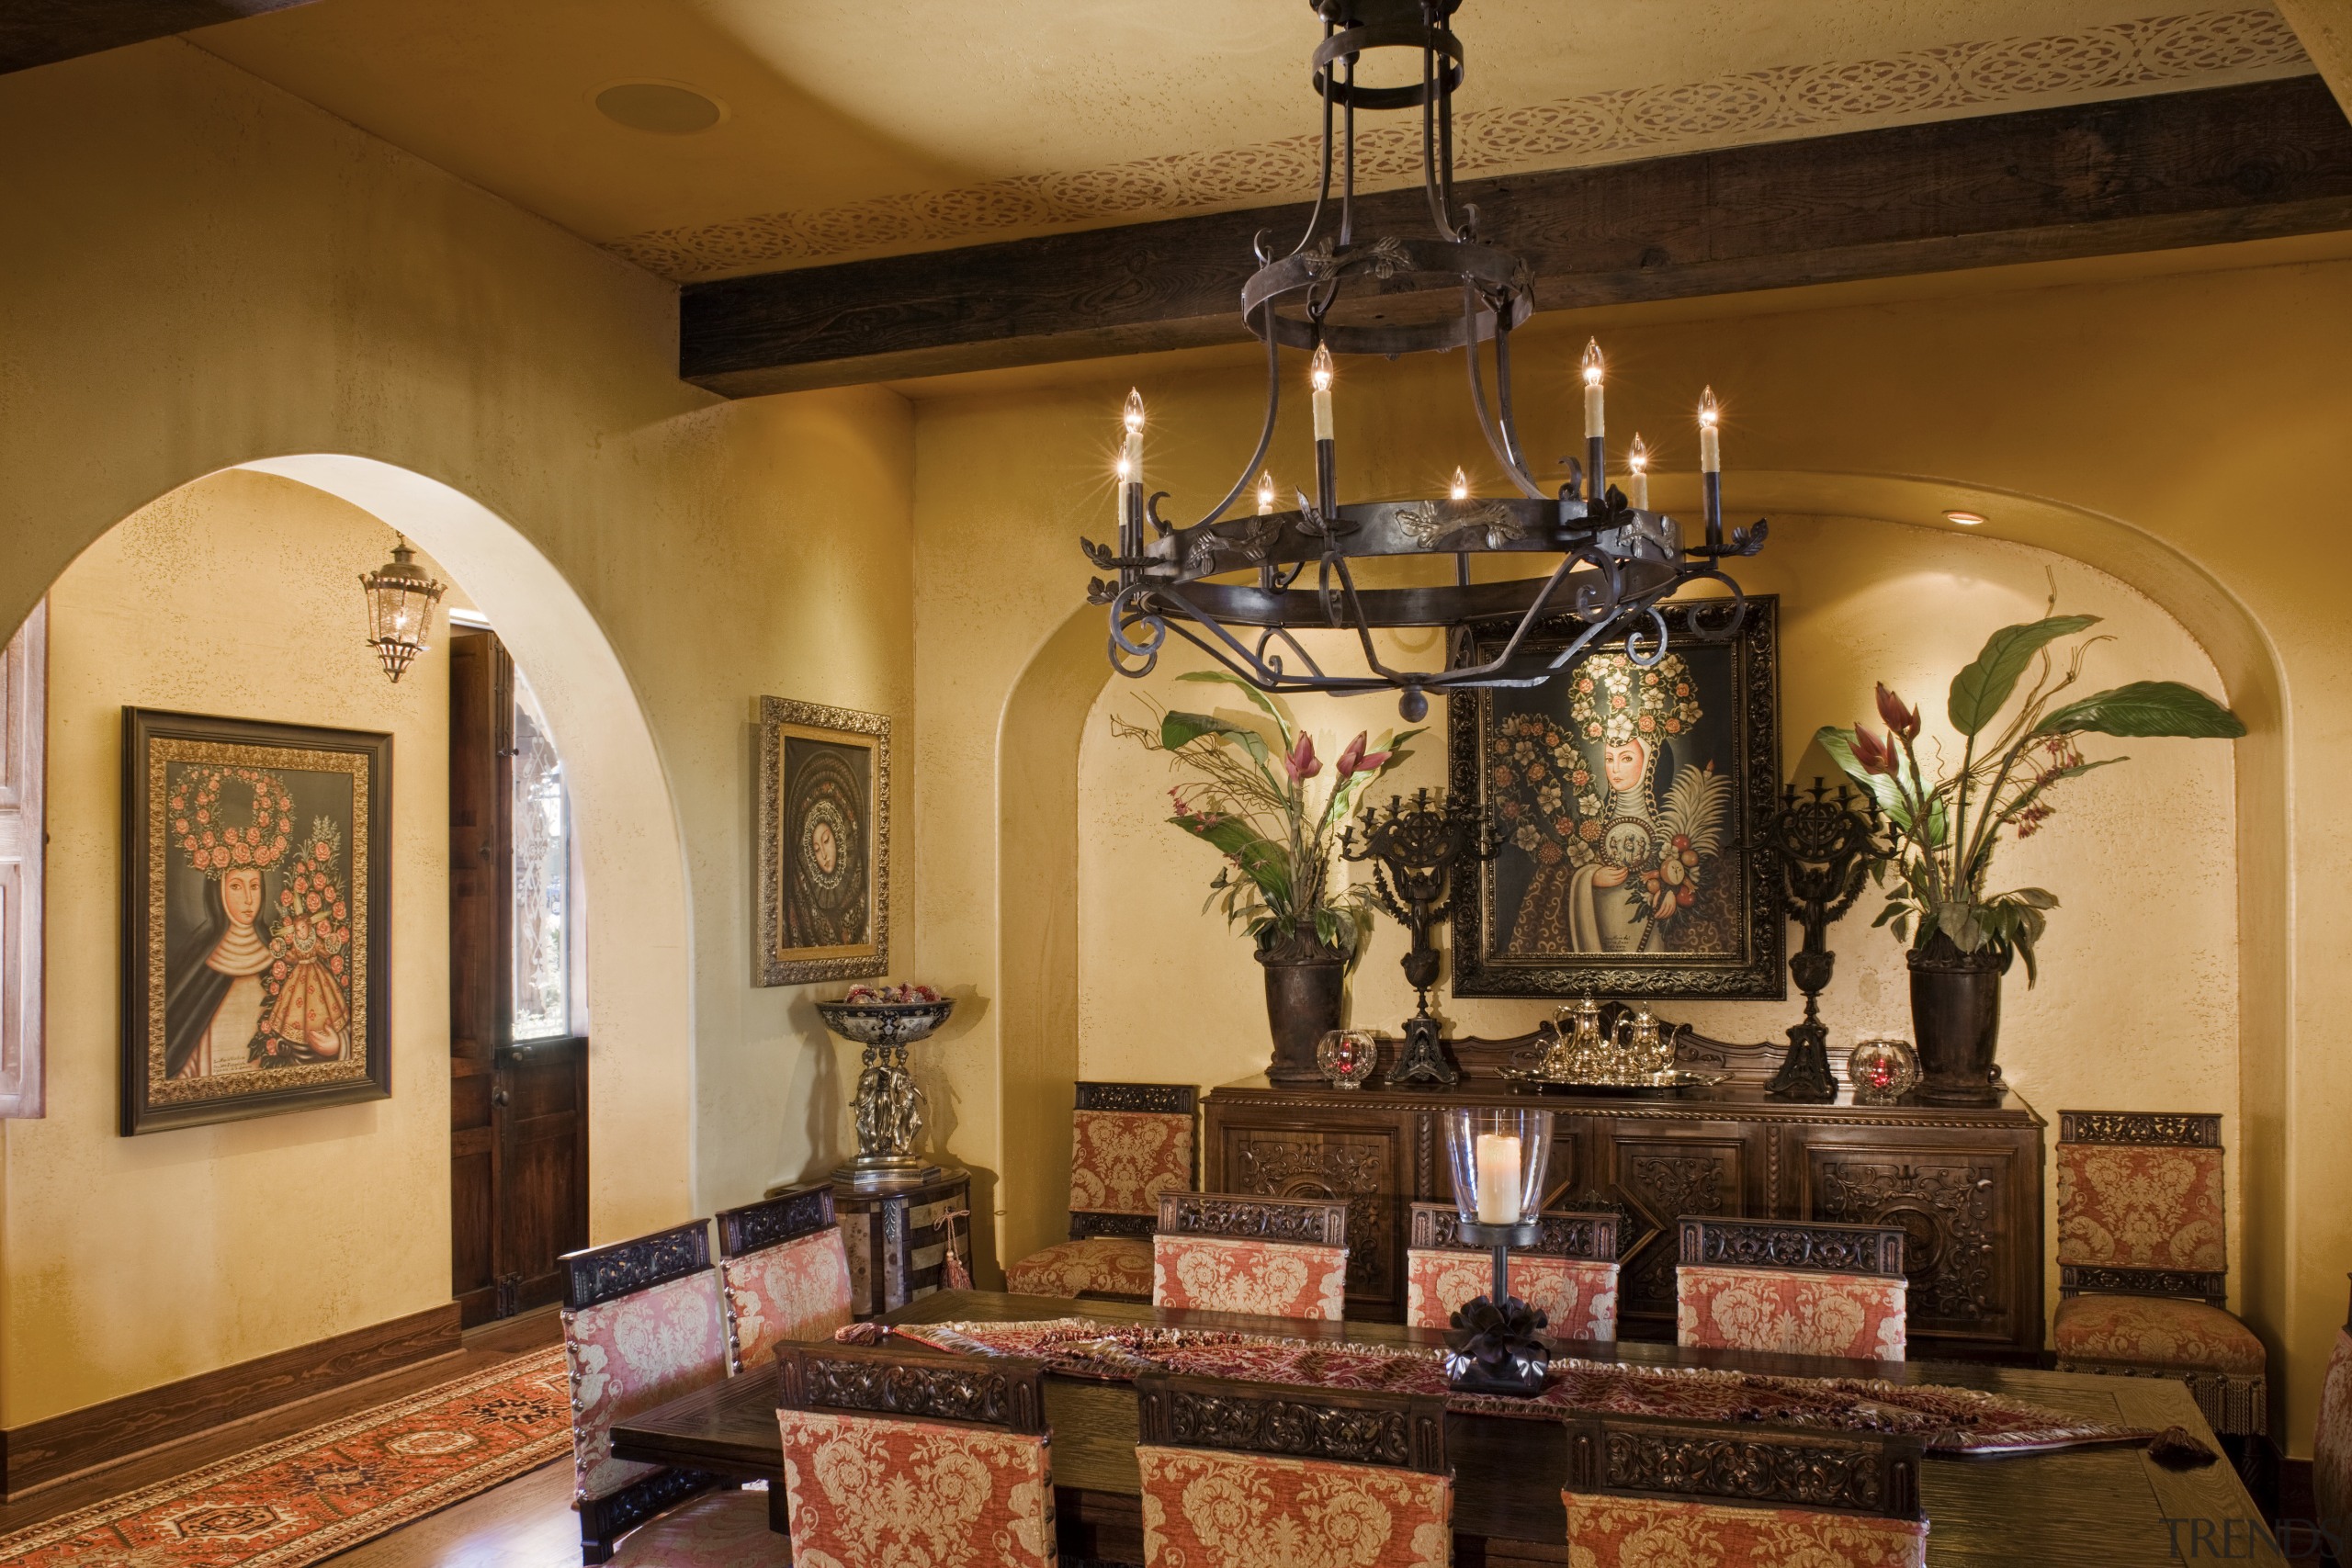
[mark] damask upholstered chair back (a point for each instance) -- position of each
(641, 1325)
(1242, 1473)
(2332, 1446)
(1270, 1257)
(914, 1460)
(1800, 1287)
(2144, 1261)
(1570, 1275)
(1131, 1143)
(783, 1272)
(1767, 1497)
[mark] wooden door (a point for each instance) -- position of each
(518, 1110)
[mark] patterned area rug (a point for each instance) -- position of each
(1947, 1421)
(327, 1489)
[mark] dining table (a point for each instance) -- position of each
(2085, 1508)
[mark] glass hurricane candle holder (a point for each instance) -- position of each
(1499, 1156)
(1882, 1071)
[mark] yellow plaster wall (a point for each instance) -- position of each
(2177, 431)
(2141, 962)
(232, 596)
(205, 272)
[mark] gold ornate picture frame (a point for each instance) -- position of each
(822, 848)
(257, 919)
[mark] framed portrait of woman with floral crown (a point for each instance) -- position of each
(1630, 793)
(256, 900)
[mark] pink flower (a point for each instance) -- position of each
(1301, 764)
(1355, 760)
(1875, 755)
(1900, 720)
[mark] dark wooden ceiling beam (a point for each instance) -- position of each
(41, 32)
(2142, 173)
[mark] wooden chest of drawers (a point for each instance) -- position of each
(1964, 1185)
(897, 1241)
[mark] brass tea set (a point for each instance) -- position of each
(1635, 1056)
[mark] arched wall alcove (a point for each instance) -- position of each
(1041, 832)
(631, 844)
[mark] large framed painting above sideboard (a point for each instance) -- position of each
(1632, 803)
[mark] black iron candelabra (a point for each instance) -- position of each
(1416, 851)
(1825, 843)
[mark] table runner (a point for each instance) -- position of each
(1949, 1422)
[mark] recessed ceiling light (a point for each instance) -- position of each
(1965, 519)
(664, 108)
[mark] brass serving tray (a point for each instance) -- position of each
(1660, 1085)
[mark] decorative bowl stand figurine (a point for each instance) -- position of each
(890, 1107)
(1497, 1157)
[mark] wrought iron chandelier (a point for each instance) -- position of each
(1335, 294)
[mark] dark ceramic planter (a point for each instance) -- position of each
(1956, 1012)
(1304, 989)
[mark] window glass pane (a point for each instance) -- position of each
(542, 877)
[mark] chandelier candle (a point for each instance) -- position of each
(1710, 465)
(1590, 568)
(1637, 468)
(1596, 425)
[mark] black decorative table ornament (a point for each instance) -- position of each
(1498, 1158)
(1825, 844)
(1415, 849)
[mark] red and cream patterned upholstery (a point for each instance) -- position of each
(1810, 1289)
(1213, 1497)
(2331, 1444)
(1656, 1532)
(783, 1272)
(921, 1488)
(728, 1528)
(1775, 1496)
(1268, 1256)
(641, 1325)
(1570, 1274)
(2144, 1259)
(1130, 1143)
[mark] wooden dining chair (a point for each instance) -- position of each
(1130, 1145)
(782, 1273)
(2332, 1446)
(914, 1459)
(1230, 1469)
(1269, 1256)
(2144, 1262)
(1570, 1275)
(641, 1326)
(1643, 1491)
(1809, 1287)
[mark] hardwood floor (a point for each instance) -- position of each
(526, 1523)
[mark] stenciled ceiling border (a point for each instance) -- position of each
(1754, 106)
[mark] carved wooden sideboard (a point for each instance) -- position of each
(1964, 1185)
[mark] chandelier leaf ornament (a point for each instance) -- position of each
(1241, 588)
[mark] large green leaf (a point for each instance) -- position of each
(2145, 707)
(1261, 860)
(1840, 744)
(1282, 720)
(1178, 729)
(1979, 690)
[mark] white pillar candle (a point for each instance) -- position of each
(1133, 455)
(1710, 452)
(1638, 466)
(1594, 424)
(1265, 495)
(1497, 1179)
(1319, 376)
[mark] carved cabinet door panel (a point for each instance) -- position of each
(1366, 1162)
(1958, 1207)
(1655, 1175)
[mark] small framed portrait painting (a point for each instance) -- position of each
(823, 844)
(1632, 802)
(256, 919)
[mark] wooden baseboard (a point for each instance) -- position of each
(41, 1453)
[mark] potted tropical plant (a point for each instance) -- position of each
(1254, 797)
(1942, 832)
